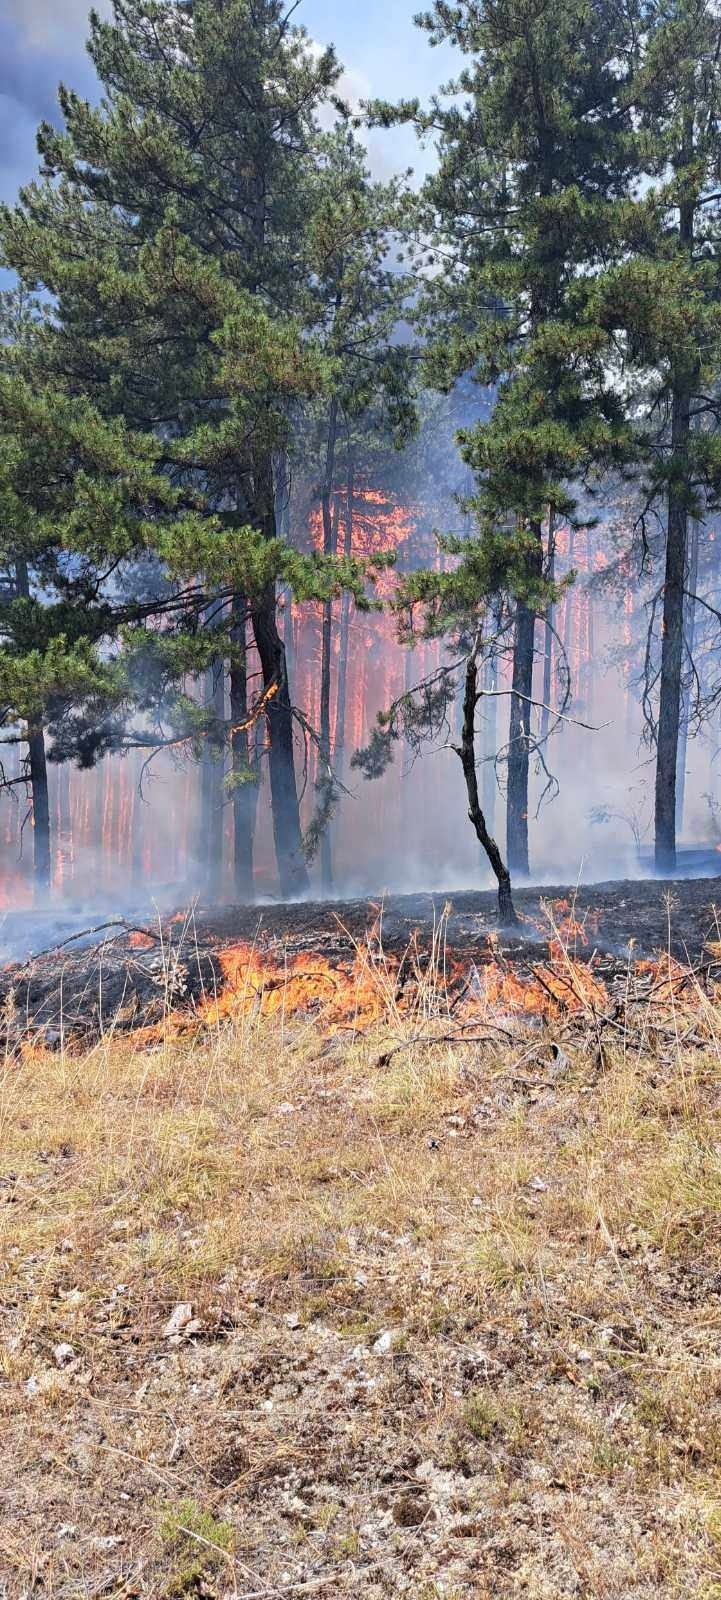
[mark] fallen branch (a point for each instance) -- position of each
(424, 1039)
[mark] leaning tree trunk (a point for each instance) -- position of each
(287, 835)
(245, 790)
(467, 752)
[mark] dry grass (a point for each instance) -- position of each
(456, 1320)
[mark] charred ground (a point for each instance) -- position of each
(78, 979)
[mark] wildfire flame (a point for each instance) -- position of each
(366, 990)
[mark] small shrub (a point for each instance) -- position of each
(480, 1414)
(201, 1543)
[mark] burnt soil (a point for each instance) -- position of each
(620, 918)
(77, 980)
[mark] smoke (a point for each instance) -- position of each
(52, 27)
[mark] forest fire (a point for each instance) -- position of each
(361, 966)
(376, 986)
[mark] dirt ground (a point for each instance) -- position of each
(278, 1319)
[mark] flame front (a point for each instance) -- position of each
(375, 986)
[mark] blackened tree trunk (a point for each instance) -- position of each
(669, 711)
(41, 810)
(38, 772)
(519, 742)
(330, 540)
(467, 752)
(245, 790)
(282, 513)
(689, 629)
(292, 869)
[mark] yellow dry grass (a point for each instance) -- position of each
(456, 1321)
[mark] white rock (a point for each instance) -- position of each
(63, 1354)
(178, 1322)
(385, 1342)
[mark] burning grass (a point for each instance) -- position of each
(292, 1308)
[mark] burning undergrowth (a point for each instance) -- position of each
(188, 974)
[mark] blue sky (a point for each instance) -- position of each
(42, 42)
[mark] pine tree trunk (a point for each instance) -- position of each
(38, 770)
(490, 741)
(669, 714)
(330, 540)
(244, 794)
(41, 811)
(282, 501)
(467, 752)
(669, 711)
(519, 734)
(689, 637)
(292, 870)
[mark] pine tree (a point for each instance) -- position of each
(533, 147)
(78, 493)
(170, 224)
(660, 302)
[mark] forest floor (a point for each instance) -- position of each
(285, 1315)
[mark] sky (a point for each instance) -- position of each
(42, 42)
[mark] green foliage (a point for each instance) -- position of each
(200, 1545)
(533, 144)
(182, 228)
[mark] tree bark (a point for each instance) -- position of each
(292, 870)
(467, 752)
(245, 794)
(38, 770)
(519, 734)
(42, 863)
(669, 711)
(689, 635)
(490, 741)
